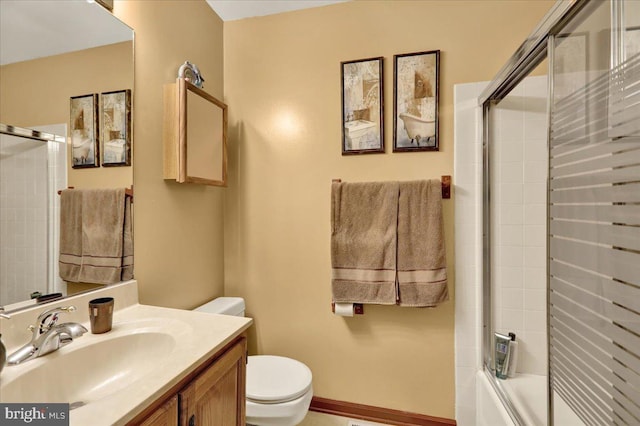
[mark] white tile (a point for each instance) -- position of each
(511, 214)
(511, 193)
(510, 235)
(535, 299)
(466, 356)
(465, 326)
(535, 214)
(535, 278)
(535, 127)
(535, 235)
(510, 277)
(535, 172)
(535, 257)
(535, 321)
(511, 172)
(511, 256)
(535, 193)
(466, 415)
(532, 353)
(511, 150)
(513, 318)
(535, 150)
(512, 298)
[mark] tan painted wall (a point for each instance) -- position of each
(37, 92)
(178, 229)
(282, 84)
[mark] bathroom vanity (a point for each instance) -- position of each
(213, 395)
(157, 366)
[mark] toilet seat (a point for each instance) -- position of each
(275, 379)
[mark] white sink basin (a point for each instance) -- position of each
(93, 366)
(111, 378)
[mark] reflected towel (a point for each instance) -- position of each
(422, 271)
(363, 242)
(95, 236)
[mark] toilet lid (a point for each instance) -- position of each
(272, 379)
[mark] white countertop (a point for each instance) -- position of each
(191, 338)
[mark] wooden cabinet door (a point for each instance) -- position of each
(167, 415)
(216, 397)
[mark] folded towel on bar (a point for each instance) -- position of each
(95, 236)
(363, 242)
(422, 267)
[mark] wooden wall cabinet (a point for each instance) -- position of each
(214, 395)
(194, 135)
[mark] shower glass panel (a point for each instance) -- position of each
(594, 224)
(517, 186)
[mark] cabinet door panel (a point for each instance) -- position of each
(217, 395)
(167, 415)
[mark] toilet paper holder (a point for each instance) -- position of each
(358, 308)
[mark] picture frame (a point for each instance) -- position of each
(115, 125)
(85, 147)
(416, 89)
(362, 106)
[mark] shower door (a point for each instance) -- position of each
(594, 217)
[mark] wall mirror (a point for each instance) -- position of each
(49, 52)
(195, 135)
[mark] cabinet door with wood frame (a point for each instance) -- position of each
(166, 415)
(217, 395)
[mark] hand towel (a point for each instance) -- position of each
(363, 242)
(95, 244)
(422, 271)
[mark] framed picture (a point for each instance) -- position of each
(362, 115)
(116, 128)
(84, 131)
(415, 108)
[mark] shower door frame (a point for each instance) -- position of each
(527, 57)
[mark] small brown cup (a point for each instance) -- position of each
(101, 314)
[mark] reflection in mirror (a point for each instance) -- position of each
(49, 52)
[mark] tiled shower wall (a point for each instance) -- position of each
(520, 199)
(518, 202)
(29, 171)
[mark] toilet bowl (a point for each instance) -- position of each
(279, 389)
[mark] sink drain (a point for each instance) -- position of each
(76, 404)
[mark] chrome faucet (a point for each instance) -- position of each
(48, 336)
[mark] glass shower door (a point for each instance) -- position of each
(594, 223)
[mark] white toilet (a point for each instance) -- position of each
(279, 389)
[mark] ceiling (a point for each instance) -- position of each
(231, 10)
(35, 29)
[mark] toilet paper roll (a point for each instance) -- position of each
(344, 309)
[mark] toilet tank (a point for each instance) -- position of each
(224, 306)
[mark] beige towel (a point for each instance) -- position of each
(363, 242)
(422, 272)
(95, 244)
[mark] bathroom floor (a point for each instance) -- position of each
(321, 419)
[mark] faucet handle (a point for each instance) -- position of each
(48, 319)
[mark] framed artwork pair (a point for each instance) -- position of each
(109, 122)
(415, 107)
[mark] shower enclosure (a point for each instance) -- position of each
(558, 204)
(32, 167)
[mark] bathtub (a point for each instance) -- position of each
(418, 128)
(528, 393)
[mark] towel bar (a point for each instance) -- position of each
(446, 186)
(127, 191)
